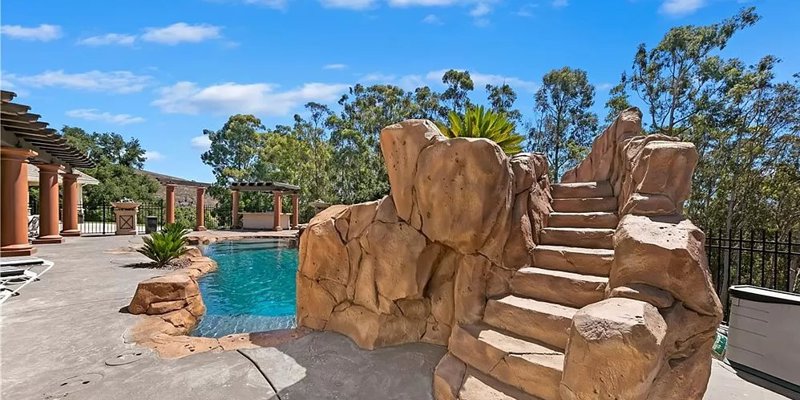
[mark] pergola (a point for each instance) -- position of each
(170, 182)
(26, 140)
(277, 189)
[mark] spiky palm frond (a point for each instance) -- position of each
(165, 246)
(479, 122)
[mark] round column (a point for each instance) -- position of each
(48, 205)
(234, 209)
(170, 204)
(201, 209)
(276, 211)
(295, 210)
(69, 209)
(14, 202)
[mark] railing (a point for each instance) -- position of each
(766, 259)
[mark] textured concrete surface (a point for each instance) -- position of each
(56, 337)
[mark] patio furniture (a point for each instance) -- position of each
(33, 225)
(17, 273)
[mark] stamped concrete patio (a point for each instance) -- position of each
(60, 333)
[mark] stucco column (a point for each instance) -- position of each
(69, 208)
(200, 223)
(170, 204)
(234, 208)
(276, 211)
(295, 210)
(48, 205)
(14, 202)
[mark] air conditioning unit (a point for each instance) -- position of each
(764, 334)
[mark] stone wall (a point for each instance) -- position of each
(460, 218)
(651, 338)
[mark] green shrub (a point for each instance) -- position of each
(478, 122)
(165, 246)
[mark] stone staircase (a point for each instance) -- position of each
(517, 350)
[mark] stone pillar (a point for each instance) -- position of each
(295, 210)
(170, 204)
(14, 202)
(234, 209)
(48, 205)
(69, 209)
(125, 214)
(276, 211)
(200, 223)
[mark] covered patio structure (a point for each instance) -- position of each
(26, 140)
(275, 220)
(170, 183)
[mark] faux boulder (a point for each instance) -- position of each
(411, 266)
(174, 297)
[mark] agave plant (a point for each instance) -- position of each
(478, 122)
(165, 246)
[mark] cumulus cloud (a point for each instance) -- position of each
(181, 32)
(111, 81)
(348, 4)
(335, 66)
(480, 10)
(92, 114)
(256, 98)
(42, 33)
(681, 7)
(108, 39)
(202, 143)
(152, 155)
(432, 20)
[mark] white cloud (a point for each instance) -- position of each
(112, 81)
(43, 32)
(527, 10)
(92, 114)
(432, 19)
(255, 98)
(151, 155)
(604, 86)
(201, 142)
(480, 10)
(108, 39)
(425, 3)
(276, 4)
(181, 32)
(560, 3)
(335, 66)
(348, 4)
(681, 7)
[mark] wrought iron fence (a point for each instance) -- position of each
(98, 219)
(761, 258)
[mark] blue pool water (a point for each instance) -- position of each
(252, 291)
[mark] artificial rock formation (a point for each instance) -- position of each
(460, 218)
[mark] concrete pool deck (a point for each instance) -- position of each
(63, 329)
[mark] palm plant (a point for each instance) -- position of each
(165, 246)
(479, 122)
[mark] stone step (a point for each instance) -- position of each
(583, 220)
(574, 259)
(561, 287)
(526, 365)
(595, 238)
(538, 320)
(454, 380)
(581, 189)
(585, 204)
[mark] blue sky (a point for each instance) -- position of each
(163, 71)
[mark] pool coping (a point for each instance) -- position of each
(167, 333)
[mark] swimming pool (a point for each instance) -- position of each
(252, 291)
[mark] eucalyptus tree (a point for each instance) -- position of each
(459, 84)
(502, 98)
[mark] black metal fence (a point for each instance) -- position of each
(759, 258)
(98, 219)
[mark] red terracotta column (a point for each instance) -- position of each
(295, 210)
(234, 208)
(170, 204)
(48, 205)
(201, 209)
(276, 211)
(14, 202)
(69, 209)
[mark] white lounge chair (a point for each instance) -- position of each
(16, 273)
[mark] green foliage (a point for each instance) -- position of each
(116, 164)
(565, 122)
(459, 84)
(165, 246)
(480, 123)
(502, 98)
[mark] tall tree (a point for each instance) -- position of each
(566, 126)
(502, 98)
(459, 84)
